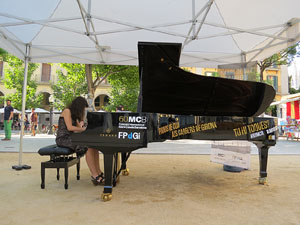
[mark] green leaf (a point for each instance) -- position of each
(69, 85)
(14, 77)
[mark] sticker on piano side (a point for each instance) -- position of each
(272, 137)
(271, 130)
(251, 128)
(133, 119)
(132, 126)
(176, 131)
(194, 129)
(133, 122)
(130, 136)
(257, 134)
(168, 128)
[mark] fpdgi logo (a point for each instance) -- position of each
(131, 135)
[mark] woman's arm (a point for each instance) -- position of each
(66, 114)
(79, 123)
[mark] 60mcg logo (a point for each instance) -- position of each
(131, 135)
(132, 119)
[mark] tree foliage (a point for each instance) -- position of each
(284, 57)
(215, 74)
(69, 85)
(125, 89)
(123, 79)
(14, 78)
(102, 72)
(293, 90)
(3, 54)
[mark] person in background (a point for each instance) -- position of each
(8, 116)
(34, 121)
(72, 120)
(26, 123)
(120, 108)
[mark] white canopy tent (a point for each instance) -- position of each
(212, 32)
(15, 111)
(37, 110)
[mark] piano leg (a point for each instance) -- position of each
(117, 168)
(263, 161)
(108, 173)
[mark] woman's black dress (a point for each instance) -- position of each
(63, 138)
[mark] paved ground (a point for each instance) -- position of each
(186, 147)
(163, 188)
(160, 190)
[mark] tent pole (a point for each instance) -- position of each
(20, 166)
(244, 64)
(193, 18)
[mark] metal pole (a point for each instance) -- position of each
(20, 166)
(244, 65)
(193, 18)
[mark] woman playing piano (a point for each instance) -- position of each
(71, 120)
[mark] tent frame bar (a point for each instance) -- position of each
(87, 20)
(12, 43)
(12, 24)
(41, 23)
(194, 21)
(267, 45)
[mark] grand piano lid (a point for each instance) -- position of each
(166, 88)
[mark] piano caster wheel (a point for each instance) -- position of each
(106, 197)
(262, 180)
(42, 186)
(125, 172)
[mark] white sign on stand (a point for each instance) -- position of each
(232, 153)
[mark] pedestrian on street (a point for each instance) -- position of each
(8, 118)
(34, 121)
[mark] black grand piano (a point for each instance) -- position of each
(176, 104)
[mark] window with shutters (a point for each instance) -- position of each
(274, 80)
(46, 72)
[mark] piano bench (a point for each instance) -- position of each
(60, 157)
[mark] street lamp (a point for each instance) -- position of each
(51, 100)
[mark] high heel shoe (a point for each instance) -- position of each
(98, 180)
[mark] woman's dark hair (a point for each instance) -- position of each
(77, 108)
